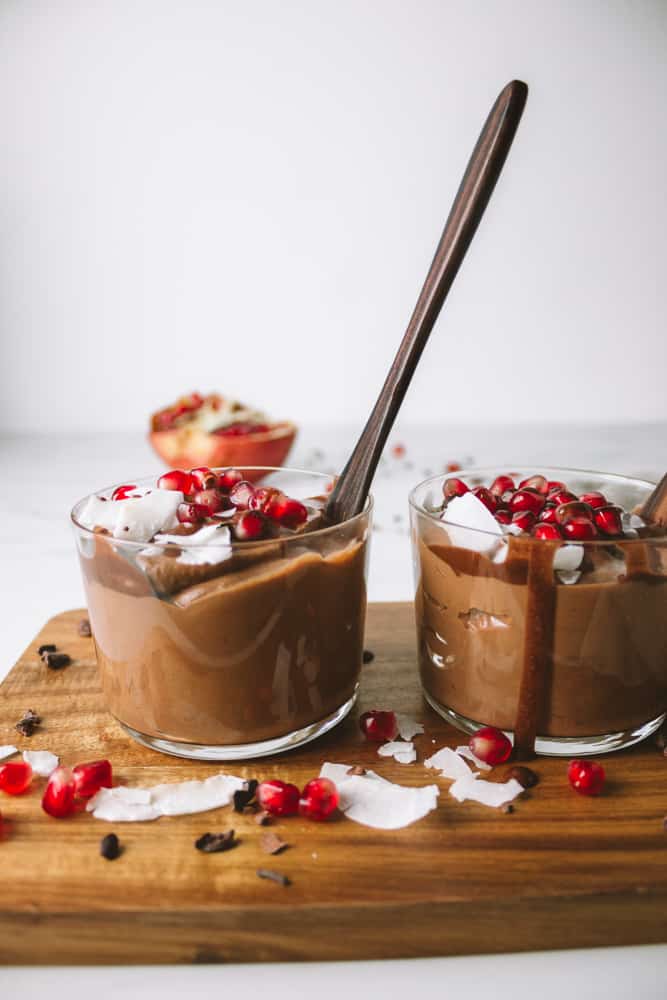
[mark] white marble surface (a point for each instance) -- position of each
(46, 474)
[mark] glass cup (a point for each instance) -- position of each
(506, 639)
(253, 653)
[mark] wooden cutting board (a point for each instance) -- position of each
(562, 871)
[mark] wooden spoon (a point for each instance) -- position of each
(349, 495)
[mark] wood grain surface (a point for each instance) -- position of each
(561, 871)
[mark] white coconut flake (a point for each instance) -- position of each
(180, 798)
(136, 519)
(209, 545)
(449, 763)
(469, 755)
(43, 762)
(404, 753)
(372, 801)
(408, 728)
(7, 751)
(487, 793)
(468, 512)
(568, 558)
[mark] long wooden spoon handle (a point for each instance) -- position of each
(349, 495)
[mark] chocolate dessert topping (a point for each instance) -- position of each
(29, 723)
(244, 796)
(56, 661)
(272, 844)
(212, 843)
(84, 627)
(524, 775)
(273, 876)
(110, 847)
(47, 647)
(368, 656)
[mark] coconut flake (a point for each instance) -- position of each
(135, 519)
(123, 805)
(487, 793)
(179, 798)
(474, 526)
(7, 751)
(469, 755)
(209, 545)
(408, 727)
(372, 801)
(43, 762)
(404, 753)
(568, 558)
(449, 763)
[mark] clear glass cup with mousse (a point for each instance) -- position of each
(231, 651)
(561, 643)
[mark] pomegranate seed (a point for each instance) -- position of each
(524, 519)
(537, 483)
(228, 479)
(176, 479)
(608, 520)
(573, 511)
(553, 485)
(562, 496)
(287, 511)
(548, 514)
(123, 492)
(250, 526)
(58, 799)
(547, 532)
(15, 778)
(490, 745)
(278, 798)
(379, 727)
(203, 478)
(89, 778)
(502, 484)
(241, 493)
(487, 498)
(579, 531)
(262, 497)
(586, 776)
(190, 513)
(526, 499)
(454, 488)
(503, 516)
(318, 799)
(240, 428)
(594, 499)
(398, 451)
(212, 501)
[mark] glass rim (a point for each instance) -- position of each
(498, 470)
(263, 543)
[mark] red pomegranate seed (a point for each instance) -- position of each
(453, 467)
(558, 497)
(490, 745)
(586, 776)
(537, 483)
(203, 478)
(503, 516)
(228, 479)
(487, 498)
(250, 526)
(378, 726)
(547, 532)
(526, 499)
(553, 485)
(58, 799)
(287, 511)
(398, 451)
(15, 778)
(278, 798)
(502, 484)
(241, 493)
(89, 778)
(608, 520)
(190, 513)
(123, 492)
(573, 511)
(240, 428)
(212, 501)
(579, 531)
(176, 479)
(262, 497)
(524, 519)
(318, 799)
(594, 499)
(454, 488)
(548, 514)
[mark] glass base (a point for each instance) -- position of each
(244, 751)
(559, 746)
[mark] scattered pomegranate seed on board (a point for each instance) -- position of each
(490, 745)
(278, 797)
(586, 776)
(318, 799)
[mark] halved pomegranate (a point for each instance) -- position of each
(216, 432)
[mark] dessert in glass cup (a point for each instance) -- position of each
(228, 619)
(541, 606)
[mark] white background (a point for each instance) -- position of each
(246, 196)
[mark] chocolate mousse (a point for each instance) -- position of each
(551, 625)
(226, 626)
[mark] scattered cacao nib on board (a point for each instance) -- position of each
(357, 769)
(272, 844)
(273, 876)
(84, 627)
(211, 843)
(368, 656)
(46, 647)
(110, 847)
(508, 808)
(524, 775)
(244, 796)
(29, 723)
(56, 661)
(262, 818)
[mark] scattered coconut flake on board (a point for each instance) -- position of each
(7, 751)
(449, 763)
(373, 801)
(180, 798)
(469, 755)
(43, 762)
(487, 793)
(404, 753)
(408, 727)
